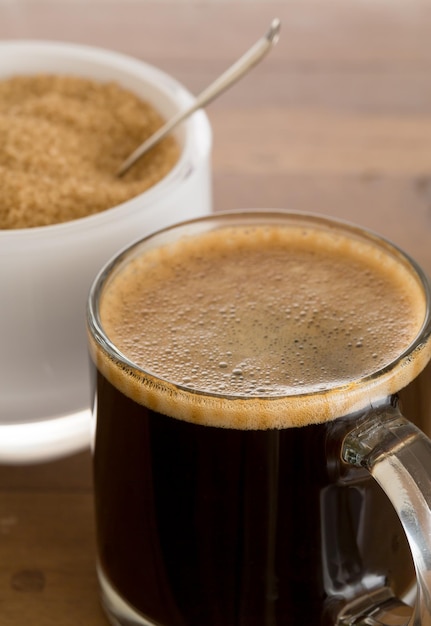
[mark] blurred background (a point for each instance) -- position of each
(337, 120)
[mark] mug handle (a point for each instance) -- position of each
(397, 454)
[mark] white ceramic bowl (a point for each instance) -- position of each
(46, 272)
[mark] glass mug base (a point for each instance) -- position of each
(118, 612)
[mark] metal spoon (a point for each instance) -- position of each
(228, 78)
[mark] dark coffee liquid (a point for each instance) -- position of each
(233, 510)
(200, 525)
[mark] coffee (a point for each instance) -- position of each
(217, 499)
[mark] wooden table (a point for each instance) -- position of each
(337, 120)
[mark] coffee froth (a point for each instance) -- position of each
(284, 319)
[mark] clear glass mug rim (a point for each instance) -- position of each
(241, 217)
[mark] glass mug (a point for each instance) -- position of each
(252, 463)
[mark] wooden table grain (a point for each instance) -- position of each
(337, 120)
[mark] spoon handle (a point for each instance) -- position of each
(248, 60)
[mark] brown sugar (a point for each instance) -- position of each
(62, 139)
